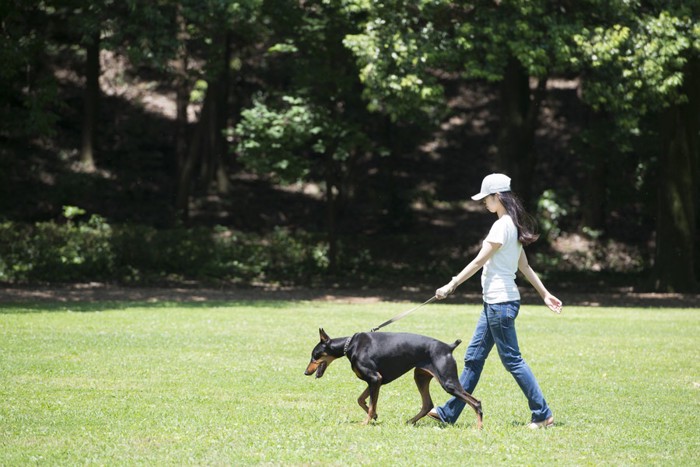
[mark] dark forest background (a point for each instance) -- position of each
(337, 143)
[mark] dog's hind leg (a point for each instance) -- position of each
(447, 377)
(423, 378)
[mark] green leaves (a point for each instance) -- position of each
(273, 134)
(406, 45)
(396, 52)
(637, 64)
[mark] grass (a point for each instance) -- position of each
(223, 383)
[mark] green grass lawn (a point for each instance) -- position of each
(223, 383)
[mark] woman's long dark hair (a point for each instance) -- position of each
(524, 222)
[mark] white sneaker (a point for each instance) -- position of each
(435, 415)
(543, 424)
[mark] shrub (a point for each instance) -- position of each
(53, 252)
(94, 250)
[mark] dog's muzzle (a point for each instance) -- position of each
(318, 366)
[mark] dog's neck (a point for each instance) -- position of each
(346, 344)
(338, 346)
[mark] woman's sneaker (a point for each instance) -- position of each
(435, 415)
(543, 424)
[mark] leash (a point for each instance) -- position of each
(404, 314)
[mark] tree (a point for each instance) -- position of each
(520, 45)
(194, 43)
(27, 85)
(309, 121)
(92, 95)
(676, 256)
(645, 62)
(408, 44)
(399, 50)
(208, 31)
(90, 20)
(636, 58)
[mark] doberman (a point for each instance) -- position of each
(380, 358)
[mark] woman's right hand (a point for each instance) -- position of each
(444, 291)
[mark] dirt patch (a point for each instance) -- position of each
(97, 292)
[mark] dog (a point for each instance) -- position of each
(380, 358)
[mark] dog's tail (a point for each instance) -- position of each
(454, 346)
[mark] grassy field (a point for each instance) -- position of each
(223, 383)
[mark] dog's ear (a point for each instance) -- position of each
(324, 336)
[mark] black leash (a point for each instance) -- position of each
(404, 314)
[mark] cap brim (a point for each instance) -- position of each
(479, 196)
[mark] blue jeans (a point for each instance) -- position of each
(497, 326)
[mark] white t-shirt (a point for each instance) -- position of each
(498, 275)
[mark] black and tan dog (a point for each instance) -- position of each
(381, 357)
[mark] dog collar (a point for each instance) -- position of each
(347, 344)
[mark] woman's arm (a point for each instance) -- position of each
(486, 252)
(550, 300)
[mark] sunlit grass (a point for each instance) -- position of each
(223, 383)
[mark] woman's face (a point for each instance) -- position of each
(491, 203)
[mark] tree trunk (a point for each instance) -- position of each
(222, 182)
(205, 149)
(92, 96)
(195, 148)
(674, 268)
(213, 147)
(519, 117)
(205, 152)
(692, 121)
(594, 201)
(331, 187)
(182, 99)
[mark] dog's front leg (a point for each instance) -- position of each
(362, 400)
(373, 389)
(476, 405)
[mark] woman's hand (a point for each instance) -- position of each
(553, 303)
(487, 251)
(445, 290)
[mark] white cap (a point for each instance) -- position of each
(494, 183)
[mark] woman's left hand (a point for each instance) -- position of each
(553, 303)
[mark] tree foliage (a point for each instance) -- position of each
(637, 64)
(305, 90)
(273, 139)
(642, 63)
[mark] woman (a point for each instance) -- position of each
(500, 256)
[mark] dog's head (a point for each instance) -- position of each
(320, 356)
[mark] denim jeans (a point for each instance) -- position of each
(497, 326)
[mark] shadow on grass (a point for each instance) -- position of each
(94, 299)
(97, 307)
(99, 297)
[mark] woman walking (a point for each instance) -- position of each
(501, 255)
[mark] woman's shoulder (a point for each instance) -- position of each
(506, 226)
(501, 230)
(505, 221)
